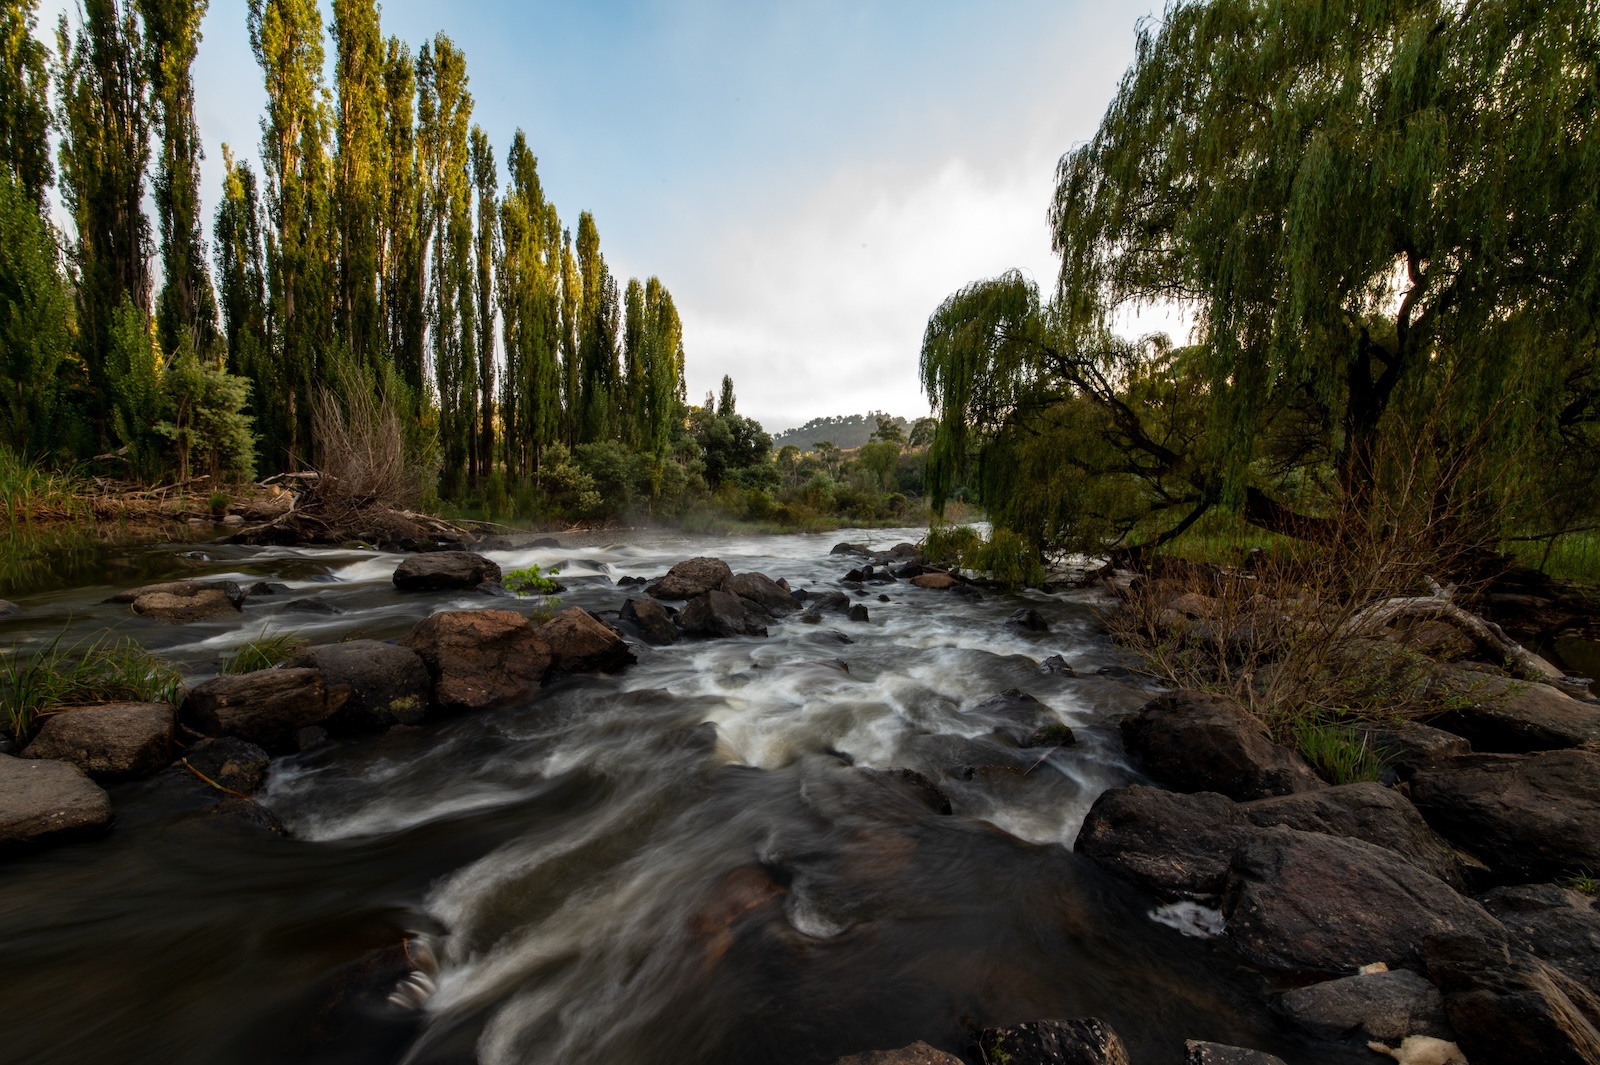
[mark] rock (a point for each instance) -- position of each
(113, 741)
(1381, 1005)
(479, 658)
(1364, 811)
(9, 609)
(1530, 816)
(1407, 745)
(1509, 1008)
(1015, 715)
(1555, 924)
(233, 763)
(831, 603)
(181, 602)
(936, 581)
(1028, 620)
(1193, 741)
(1089, 1041)
(858, 613)
(44, 802)
(861, 550)
(266, 707)
(692, 577)
(1506, 716)
(386, 684)
(652, 620)
(719, 613)
(762, 592)
(309, 737)
(544, 542)
(444, 571)
(1196, 1052)
(581, 643)
(311, 606)
(918, 1053)
(1054, 734)
(916, 785)
(628, 582)
(1304, 902)
(1169, 842)
(1057, 666)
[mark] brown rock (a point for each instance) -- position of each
(1198, 1052)
(385, 684)
(444, 571)
(918, 1053)
(228, 761)
(719, 613)
(1078, 1042)
(114, 741)
(1510, 716)
(1555, 924)
(578, 642)
(1167, 841)
(266, 707)
(180, 602)
(479, 658)
(1408, 745)
(653, 621)
(1509, 1008)
(1380, 1005)
(692, 577)
(762, 592)
(1193, 741)
(936, 581)
(47, 802)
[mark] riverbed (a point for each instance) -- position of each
(683, 863)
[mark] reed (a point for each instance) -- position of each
(98, 669)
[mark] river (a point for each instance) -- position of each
(683, 863)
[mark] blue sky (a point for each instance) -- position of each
(808, 179)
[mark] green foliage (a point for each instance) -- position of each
(951, 545)
(35, 317)
(203, 408)
(531, 581)
(1009, 559)
(93, 670)
(1583, 881)
(219, 501)
(567, 489)
(24, 101)
(263, 652)
(1341, 755)
(29, 490)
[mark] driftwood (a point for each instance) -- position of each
(1485, 635)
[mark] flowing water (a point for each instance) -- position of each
(684, 863)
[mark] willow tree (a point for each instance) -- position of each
(1377, 214)
(24, 100)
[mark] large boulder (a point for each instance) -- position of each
(1555, 924)
(479, 658)
(581, 643)
(384, 684)
(918, 1053)
(442, 571)
(1529, 816)
(180, 602)
(1387, 1006)
(1193, 741)
(762, 593)
(113, 741)
(1198, 1052)
(47, 802)
(266, 707)
(1366, 811)
(1306, 902)
(1167, 841)
(651, 620)
(1407, 746)
(692, 577)
(719, 613)
(1088, 1041)
(1509, 1008)
(1511, 716)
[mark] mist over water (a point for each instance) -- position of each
(693, 861)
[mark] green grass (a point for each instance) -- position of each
(1583, 882)
(1340, 755)
(1574, 558)
(29, 491)
(264, 652)
(98, 669)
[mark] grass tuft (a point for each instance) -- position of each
(264, 652)
(1338, 754)
(94, 670)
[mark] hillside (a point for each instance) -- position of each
(845, 431)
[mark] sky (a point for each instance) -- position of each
(809, 179)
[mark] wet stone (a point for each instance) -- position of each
(1077, 1042)
(1196, 1052)
(1382, 1005)
(44, 802)
(918, 1053)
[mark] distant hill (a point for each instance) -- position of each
(845, 431)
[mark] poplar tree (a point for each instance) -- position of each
(187, 304)
(241, 275)
(633, 364)
(599, 324)
(571, 308)
(530, 313)
(485, 181)
(403, 246)
(360, 169)
(24, 100)
(662, 367)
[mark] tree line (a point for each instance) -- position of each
(377, 248)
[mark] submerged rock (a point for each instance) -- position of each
(1197, 1052)
(1529, 816)
(1021, 718)
(46, 802)
(692, 577)
(1193, 741)
(918, 1053)
(230, 762)
(652, 621)
(442, 571)
(478, 658)
(384, 684)
(266, 707)
(1089, 1041)
(579, 642)
(113, 741)
(1381, 1005)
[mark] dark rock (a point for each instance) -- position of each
(544, 542)
(918, 786)
(628, 582)
(309, 737)
(581, 643)
(1530, 816)
(444, 571)
(858, 613)
(831, 603)
(935, 581)
(1408, 745)
(311, 606)
(901, 552)
(1028, 620)
(1509, 1008)
(692, 577)
(883, 599)
(1014, 714)
(762, 592)
(44, 802)
(719, 613)
(1193, 741)
(1501, 715)
(918, 1053)
(181, 602)
(9, 609)
(1057, 666)
(910, 569)
(811, 617)
(230, 762)
(1078, 1042)
(1196, 1052)
(1305, 902)
(652, 621)
(265, 588)
(114, 741)
(1557, 925)
(1364, 811)
(266, 707)
(856, 576)
(1387, 1006)
(1054, 734)
(479, 658)
(1166, 841)
(387, 684)
(860, 550)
